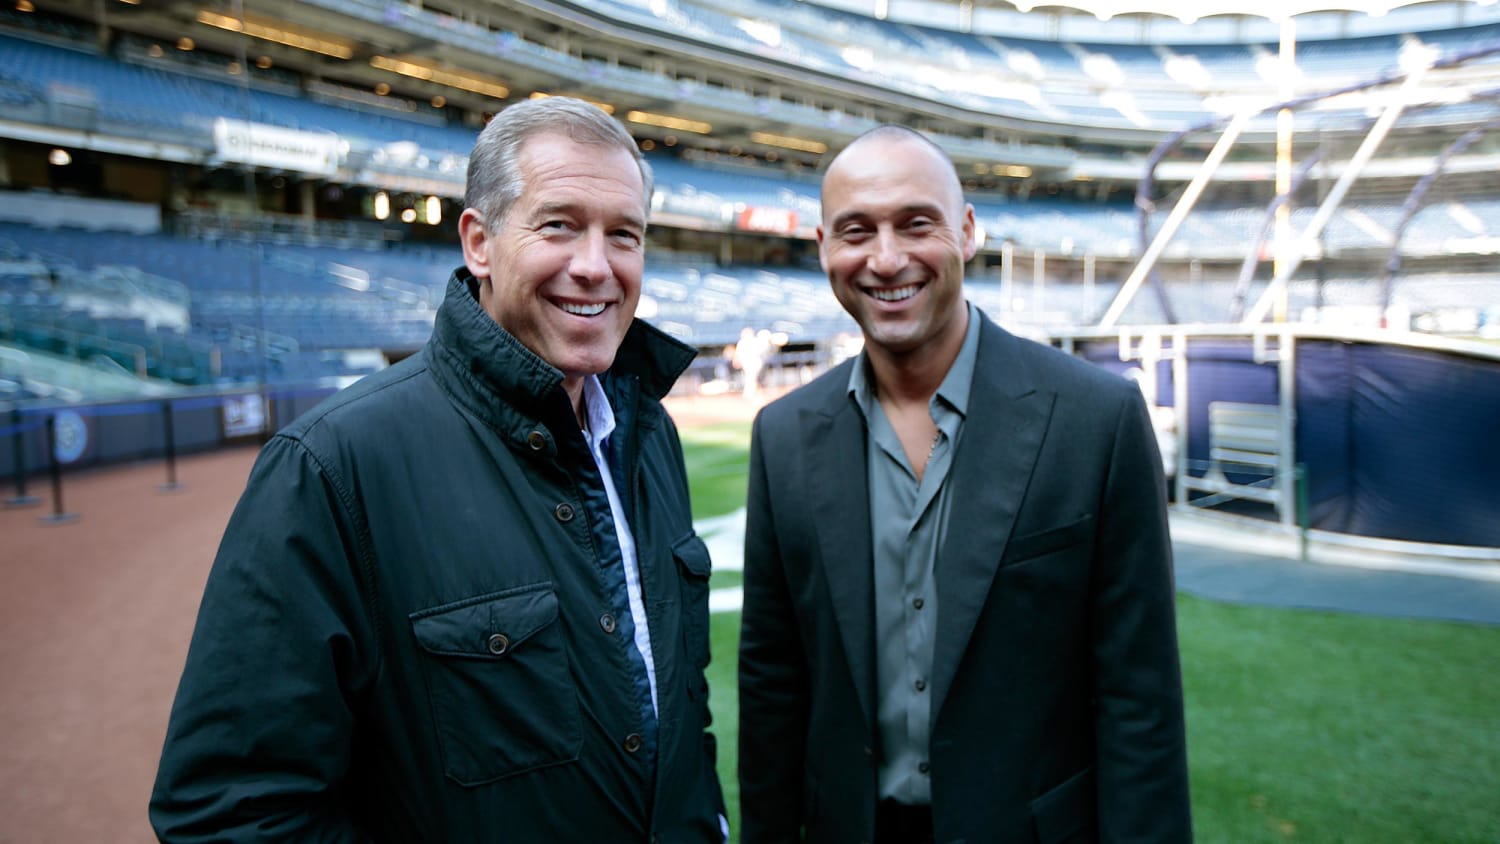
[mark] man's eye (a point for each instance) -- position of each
(555, 226)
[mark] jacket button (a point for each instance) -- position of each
(921, 685)
(633, 742)
(498, 644)
(607, 621)
(923, 767)
(563, 512)
(537, 440)
(918, 603)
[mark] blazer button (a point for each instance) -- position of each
(537, 440)
(923, 767)
(498, 644)
(607, 622)
(633, 742)
(563, 512)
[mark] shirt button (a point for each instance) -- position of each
(923, 767)
(537, 440)
(633, 742)
(921, 685)
(563, 512)
(498, 644)
(607, 621)
(917, 603)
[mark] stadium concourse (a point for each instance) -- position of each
(97, 615)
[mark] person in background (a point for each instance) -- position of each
(462, 600)
(958, 619)
(749, 358)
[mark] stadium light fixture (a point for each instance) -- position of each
(408, 215)
(604, 107)
(667, 121)
(25, 6)
(277, 33)
(382, 205)
(434, 211)
(462, 80)
(59, 157)
(788, 142)
(1015, 171)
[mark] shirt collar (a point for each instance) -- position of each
(954, 390)
(601, 417)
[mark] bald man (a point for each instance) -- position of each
(959, 611)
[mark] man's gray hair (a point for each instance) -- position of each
(495, 180)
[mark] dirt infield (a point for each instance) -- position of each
(95, 618)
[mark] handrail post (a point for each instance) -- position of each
(1304, 517)
(59, 516)
(18, 462)
(168, 434)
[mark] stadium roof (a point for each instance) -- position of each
(1184, 10)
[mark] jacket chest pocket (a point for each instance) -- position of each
(693, 567)
(502, 694)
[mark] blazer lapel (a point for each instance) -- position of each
(839, 500)
(992, 468)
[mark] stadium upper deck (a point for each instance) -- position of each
(710, 91)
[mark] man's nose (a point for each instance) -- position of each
(889, 258)
(590, 263)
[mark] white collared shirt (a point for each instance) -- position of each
(601, 423)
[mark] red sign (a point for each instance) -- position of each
(769, 220)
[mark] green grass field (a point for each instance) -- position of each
(1302, 726)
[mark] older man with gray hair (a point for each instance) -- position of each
(462, 600)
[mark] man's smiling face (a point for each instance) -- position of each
(564, 266)
(894, 238)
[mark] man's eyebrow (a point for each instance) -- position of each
(547, 209)
(928, 208)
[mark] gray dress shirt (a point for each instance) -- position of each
(909, 521)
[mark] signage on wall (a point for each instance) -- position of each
(273, 146)
(759, 218)
(244, 415)
(70, 436)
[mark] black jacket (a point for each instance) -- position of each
(1056, 698)
(401, 637)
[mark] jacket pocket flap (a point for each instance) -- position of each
(1066, 810)
(692, 554)
(487, 626)
(1046, 541)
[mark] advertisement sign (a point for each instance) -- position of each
(272, 146)
(768, 220)
(243, 415)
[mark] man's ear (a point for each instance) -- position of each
(971, 242)
(822, 255)
(473, 235)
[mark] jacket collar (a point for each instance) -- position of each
(491, 373)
